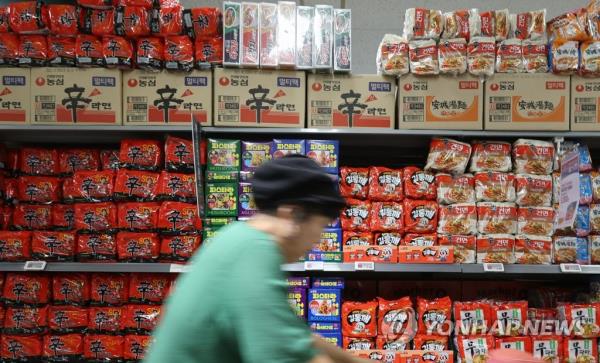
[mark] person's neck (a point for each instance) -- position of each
(277, 228)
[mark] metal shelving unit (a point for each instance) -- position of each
(98, 267)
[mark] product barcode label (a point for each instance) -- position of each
(45, 118)
(228, 118)
(137, 118)
(321, 113)
(45, 99)
(319, 123)
(320, 103)
(411, 118)
(585, 100)
(137, 99)
(413, 99)
(585, 119)
(500, 109)
(228, 109)
(45, 109)
(229, 99)
(413, 109)
(585, 110)
(499, 118)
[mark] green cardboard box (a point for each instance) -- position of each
(223, 155)
(221, 199)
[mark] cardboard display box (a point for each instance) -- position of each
(538, 102)
(90, 96)
(256, 98)
(440, 103)
(355, 101)
(158, 98)
(585, 104)
(15, 95)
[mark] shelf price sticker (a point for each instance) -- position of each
(314, 265)
(178, 268)
(493, 267)
(570, 268)
(364, 266)
(34, 266)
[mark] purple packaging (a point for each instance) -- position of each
(333, 338)
(331, 241)
(298, 282)
(324, 305)
(325, 327)
(583, 251)
(297, 299)
(326, 153)
(246, 205)
(254, 154)
(328, 282)
(283, 147)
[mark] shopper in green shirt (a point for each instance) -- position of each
(232, 306)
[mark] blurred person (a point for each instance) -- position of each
(511, 356)
(232, 306)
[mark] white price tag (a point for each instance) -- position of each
(364, 266)
(314, 265)
(493, 267)
(573, 268)
(177, 268)
(34, 266)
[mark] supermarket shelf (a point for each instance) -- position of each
(514, 269)
(99, 267)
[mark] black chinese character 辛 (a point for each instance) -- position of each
(87, 47)
(75, 100)
(113, 46)
(202, 21)
(167, 101)
(145, 46)
(351, 106)
(27, 48)
(258, 101)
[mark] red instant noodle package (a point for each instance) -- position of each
(91, 186)
(53, 246)
(169, 20)
(103, 347)
(26, 288)
(179, 53)
(146, 4)
(178, 248)
(419, 184)
(533, 190)
(434, 315)
(458, 219)
(385, 184)
(148, 288)
(392, 345)
(135, 346)
(179, 154)
(16, 246)
(136, 185)
(138, 246)
(433, 343)
(73, 160)
(100, 22)
(63, 217)
(509, 317)
(423, 56)
(138, 216)
(386, 217)
(88, 51)
(109, 289)
(150, 53)
(4, 19)
(420, 216)
(68, 347)
(472, 317)
(349, 343)
(12, 157)
(354, 182)
(62, 19)
(37, 161)
(141, 154)
(208, 51)
(178, 217)
(70, 288)
(359, 320)
(95, 216)
(28, 17)
(455, 189)
(6, 213)
(464, 247)
(132, 21)
(357, 239)
(495, 187)
(61, 51)
(33, 50)
(39, 189)
(105, 319)
(394, 319)
(109, 160)
(496, 218)
(25, 320)
(140, 318)
(496, 248)
(450, 156)
(11, 187)
(97, 4)
(491, 156)
(176, 186)
(117, 51)
(94, 247)
(585, 319)
(9, 49)
(420, 240)
(204, 22)
(356, 216)
(32, 217)
(533, 250)
(20, 347)
(533, 157)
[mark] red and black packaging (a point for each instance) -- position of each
(177, 187)
(15, 246)
(351, 239)
(9, 49)
(32, 217)
(38, 161)
(108, 289)
(95, 217)
(70, 288)
(138, 216)
(88, 51)
(105, 319)
(167, 19)
(204, 22)
(6, 213)
(419, 184)
(178, 217)
(20, 348)
(179, 53)
(4, 19)
(61, 51)
(179, 248)
(73, 160)
(12, 157)
(387, 217)
(99, 22)
(354, 182)
(146, 4)
(26, 288)
(179, 154)
(63, 348)
(434, 315)
(137, 246)
(385, 184)
(97, 4)
(109, 160)
(67, 318)
(148, 288)
(96, 247)
(117, 51)
(141, 154)
(136, 185)
(63, 217)
(25, 320)
(39, 189)
(11, 187)
(132, 21)
(103, 348)
(136, 346)
(62, 20)
(150, 53)
(420, 216)
(28, 17)
(208, 51)
(90, 186)
(140, 318)
(33, 51)
(359, 319)
(356, 216)
(53, 246)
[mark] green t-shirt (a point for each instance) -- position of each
(232, 306)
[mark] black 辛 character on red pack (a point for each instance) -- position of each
(132, 21)
(103, 348)
(108, 289)
(178, 248)
(208, 51)
(117, 51)
(203, 22)
(140, 318)
(136, 185)
(38, 161)
(24, 348)
(67, 318)
(73, 160)
(138, 246)
(32, 217)
(135, 346)
(71, 289)
(179, 154)
(149, 288)
(26, 289)
(177, 187)
(61, 51)
(110, 160)
(63, 347)
(53, 246)
(167, 18)
(28, 17)
(63, 20)
(88, 52)
(25, 320)
(95, 217)
(177, 217)
(179, 53)
(141, 154)
(150, 53)
(96, 247)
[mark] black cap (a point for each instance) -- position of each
(296, 180)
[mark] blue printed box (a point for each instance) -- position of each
(331, 241)
(254, 154)
(324, 305)
(284, 147)
(297, 300)
(328, 282)
(325, 327)
(298, 282)
(333, 338)
(326, 153)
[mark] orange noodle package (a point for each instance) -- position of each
(148, 288)
(97, 4)
(452, 54)
(179, 154)
(109, 159)
(103, 319)
(117, 52)
(420, 216)
(150, 53)
(136, 346)
(95, 216)
(447, 155)
(392, 345)
(90, 186)
(533, 250)
(62, 20)
(26, 288)
(28, 17)
(481, 56)
(392, 55)
(88, 51)
(9, 49)
(464, 247)
(509, 56)
(179, 53)
(456, 25)
(529, 25)
(593, 25)
(138, 246)
(177, 187)
(533, 157)
(458, 219)
(423, 55)
(137, 216)
(357, 239)
(535, 56)
(132, 21)
(32, 217)
(96, 247)
(587, 317)
(387, 239)
(496, 218)
(17, 246)
(359, 320)
(509, 317)
(61, 51)
(24, 348)
(434, 315)
(178, 248)
(472, 317)
(349, 343)
(419, 184)
(168, 19)
(39, 189)
(455, 189)
(495, 248)
(590, 58)
(108, 289)
(72, 160)
(53, 246)
(177, 217)
(533, 190)
(4, 19)
(420, 239)
(98, 22)
(495, 187)
(70, 289)
(103, 347)
(202, 22)
(208, 51)
(502, 24)
(386, 217)
(491, 156)
(564, 56)
(354, 182)
(33, 51)
(356, 216)
(434, 343)
(136, 185)
(385, 184)
(141, 154)
(537, 221)
(140, 318)
(421, 23)
(67, 318)
(396, 319)
(569, 26)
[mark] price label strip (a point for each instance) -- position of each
(34, 266)
(314, 266)
(177, 268)
(364, 266)
(570, 268)
(493, 267)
